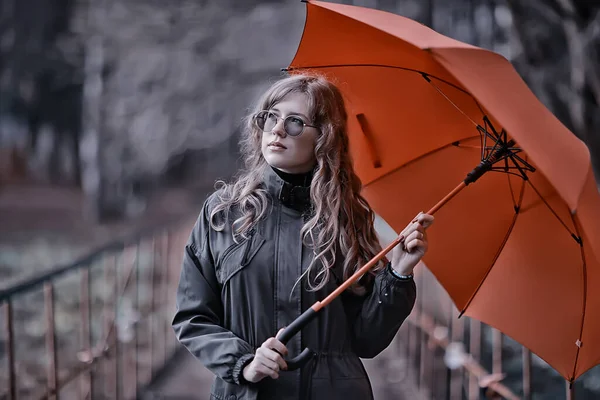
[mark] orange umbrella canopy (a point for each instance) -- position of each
(518, 249)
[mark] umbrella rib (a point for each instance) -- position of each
(503, 171)
(416, 159)
(526, 178)
(437, 88)
(578, 343)
(512, 192)
(576, 237)
(499, 139)
(508, 232)
(444, 95)
(426, 76)
(423, 73)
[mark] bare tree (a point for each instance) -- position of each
(559, 59)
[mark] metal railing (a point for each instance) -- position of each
(100, 328)
(96, 328)
(461, 358)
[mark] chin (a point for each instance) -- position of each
(282, 163)
(280, 166)
(275, 162)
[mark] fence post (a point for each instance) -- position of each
(152, 300)
(166, 294)
(85, 383)
(135, 301)
(110, 364)
(424, 379)
(497, 351)
(10, 350)
(52, 372)
(457, 376)
(475, 350)
(570, 390)
(526, 374)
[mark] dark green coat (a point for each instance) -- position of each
(232, 297)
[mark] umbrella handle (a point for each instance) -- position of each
(291, 330)
(313, 311)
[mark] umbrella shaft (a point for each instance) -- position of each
(447, 198)
(356, 276)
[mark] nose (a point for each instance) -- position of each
(279, 129)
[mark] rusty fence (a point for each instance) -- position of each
(462, 358)
(98, 328)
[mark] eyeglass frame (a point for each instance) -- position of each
(304, 124)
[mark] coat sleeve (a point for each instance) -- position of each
(376, 317)
(198, 320)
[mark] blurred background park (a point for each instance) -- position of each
(117, 117)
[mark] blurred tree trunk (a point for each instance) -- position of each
(39, 88)
(7, 10)
(429, 14)
(91, 143)
(559, 59)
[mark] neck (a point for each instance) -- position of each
(292, 190)
(302, 179)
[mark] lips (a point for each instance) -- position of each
(277, 144)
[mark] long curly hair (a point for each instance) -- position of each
(341, 221)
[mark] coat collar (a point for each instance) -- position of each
(294, 197)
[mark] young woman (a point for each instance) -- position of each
(283, 235)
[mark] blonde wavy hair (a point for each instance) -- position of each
(335, 188)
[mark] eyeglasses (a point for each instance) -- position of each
(292, 125)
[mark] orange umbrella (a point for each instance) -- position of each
(519, 249)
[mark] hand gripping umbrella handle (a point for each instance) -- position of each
(291, 330)
(308, 315)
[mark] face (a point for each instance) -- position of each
(291, 154)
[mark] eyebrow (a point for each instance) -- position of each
(292, 113)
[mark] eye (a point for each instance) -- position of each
(297, 121)
(272, 117)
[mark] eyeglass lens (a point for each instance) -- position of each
(267, 120)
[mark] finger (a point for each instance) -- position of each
(409, 230)
(426, 220)
(415, 235)
(279, 334)
(275, 357)
(267, 371)
(406, 231)
(272, 371)
(417, 216)
(418, 228)
(417, 244)
(267, 362)
(274, 344)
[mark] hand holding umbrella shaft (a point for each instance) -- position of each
(320, 304)
(413, 246)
